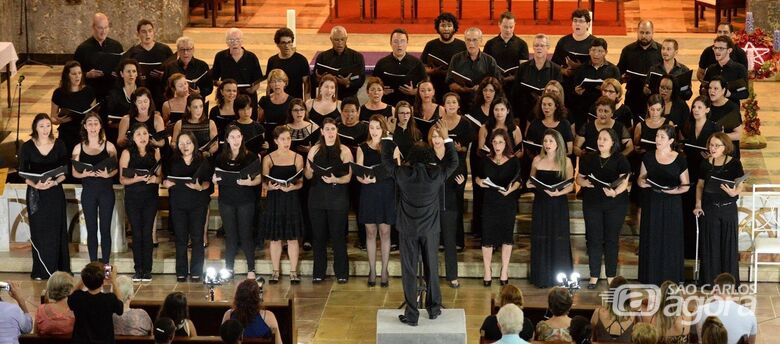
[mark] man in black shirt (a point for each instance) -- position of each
(508, 50)
(196, 70)
(295, 65)
(150, 56)
(531, 78)
(468, 68)
(734, 74)
(93, 309)
(238, 64)
(399, 71)
(635, 62)
(670, 66)
(99, 57)
(708, 55)
(438, 52)
(340, 57)
(586, 92)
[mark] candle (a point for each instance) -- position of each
(749, 22)
(776, 41)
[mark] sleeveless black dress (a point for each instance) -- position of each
(550, 242)
(318, 118)
(377, 201)
(366, 113)
(498, 211)
(283, 217)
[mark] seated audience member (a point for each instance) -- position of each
(164, 330)
(133, 321)
(713, 332)
(14, 318)
(510, 321)
(93, 308)
(175, 307)
(609, 326)
(645, 334)
(738, 320)
(257, 323)
(509, 294)
(673, 327)
(556, 328)
(55, 318)
(231, 332)
(581, 330)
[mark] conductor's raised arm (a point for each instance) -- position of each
(388, 162)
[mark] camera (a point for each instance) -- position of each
(5, 286)
(107, 269)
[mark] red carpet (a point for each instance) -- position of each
(475, 13)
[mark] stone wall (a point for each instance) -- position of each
(766, 14)
(59, 26)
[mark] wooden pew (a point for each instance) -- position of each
(207, 316)
(35, 339)
(536, 311)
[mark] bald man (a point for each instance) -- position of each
(347, 65)
(472, 64)
(635, 62)
(99, 56)
(238, 64)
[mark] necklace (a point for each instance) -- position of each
(603, 162)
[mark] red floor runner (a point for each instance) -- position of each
(475, 13)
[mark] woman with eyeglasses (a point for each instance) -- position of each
(725, 112)
(663, 178)
(405, 132)
(717, 194)
(304, 134)
(612, 89)
(587, 139)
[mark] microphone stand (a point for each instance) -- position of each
(23, 19)
(18, 110)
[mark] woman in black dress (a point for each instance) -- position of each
(405, 132)
(327, 103)
(176, 93)
(675, 108)
(329, 201)
(141, 191)
(500, 168)
(663, 177)
(97, 195)
(237, 199)
(283, 218)
(587, 139)
(305, 134)
(694, 137)
(461, 131)
(69, 101)
(252, 132)
(117, 102)
(189, 188)
(45, 200)
(604, 207)
(224, 113)
(489, 89)
(196, 122)
(272, 109)
(725, 112)
(550, 114)
(426, 111)
(375, 106)
(500, 118)
(550, 243)
(142, 111)
(377, 200)
(716, 209)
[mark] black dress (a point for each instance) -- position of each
(46, 209)
(81, 100)
(591, 135)
(719, 224)
(728, 117)
(366, 113)
(274, 114)
(498, 211)
(116, 104)
(550, 243)
(536, 131)
(221, 120)
(377, 200)
(283, 218)
(661, 243)
(318, 118)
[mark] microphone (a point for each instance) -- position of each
(21, 78)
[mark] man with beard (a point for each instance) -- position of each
(635, 62)
(438, 52)
(532, 76)
(707, 56)
(150, 56)
(732, 73)
(99, 56)
(468, 68)
(196, 70)
(340, 57)
(670, 66)
(508, 50)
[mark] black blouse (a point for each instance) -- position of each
(366, 113)
(234, 194)
(591, 135)
(182, 197)
(606, 170)
(730, 171)
(501, 175)
(31, 160)
(666, 175)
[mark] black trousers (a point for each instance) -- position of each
(602, 230)
(238, 222)
(97, 201)
(140, 213)
(329, 223)
(188, 225)
(449, 235)
(412, 247)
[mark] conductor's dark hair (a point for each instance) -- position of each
(93, 275)
(421, 153)
(143, 22)
(446, 16)
(283, 32)
(581, 13)
(231, 331)
(164, 330)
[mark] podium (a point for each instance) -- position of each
(449, 328)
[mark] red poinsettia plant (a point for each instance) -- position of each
(759, 44)
(752, 122)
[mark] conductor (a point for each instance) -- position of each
(420, 183)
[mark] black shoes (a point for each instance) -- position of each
(181, 279)
(342, 281)
(487, 283)
(147, 277)
(137, 277)
(434, 315)
(407, 321)
(504, 282)
(384, 284)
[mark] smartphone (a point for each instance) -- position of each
(5, 286)
(107, 269)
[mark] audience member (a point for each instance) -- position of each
(713, 332)
(257, 323)
(645, 334)
(14, 318)
(164, 330)
(510, 321)
(556, 328)
(55, 317)
(581, 330)
(175, 307)
(231, 332)
(93, 308)
(133, 321)
(737, 319)
(510, 294)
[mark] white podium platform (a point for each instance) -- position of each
(449, 327)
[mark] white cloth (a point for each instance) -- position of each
(738, 320)
(8, 56)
